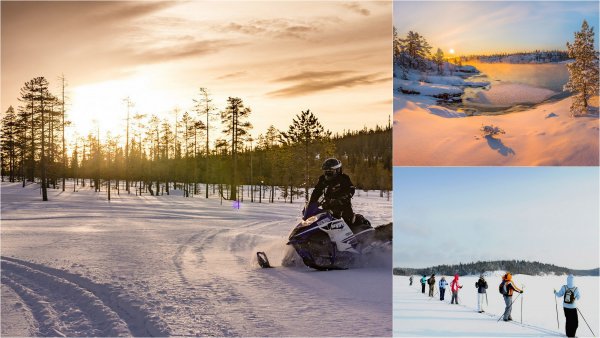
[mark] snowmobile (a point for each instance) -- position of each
(325, 242)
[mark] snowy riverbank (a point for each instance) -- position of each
(78, 265)
(448, 86)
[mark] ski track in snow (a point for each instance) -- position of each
(17, 318)
(168, 265)
(66, 304)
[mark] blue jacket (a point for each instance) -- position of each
(443, 284)
(563, 289)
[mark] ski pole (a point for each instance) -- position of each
(519, 295)
(556, 306)
(523, 290)
(486, 300)
(586, 323)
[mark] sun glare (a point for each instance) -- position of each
(451, 51)
(103, 103)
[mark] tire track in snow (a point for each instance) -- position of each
(179, 254)
(234, 307)
(224, 311)
(202, 317)
(66, 303)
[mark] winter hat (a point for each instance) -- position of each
(570, 283)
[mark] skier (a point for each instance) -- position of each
(570, 293)
(338, 191)
(431, 282)
(443, 285)
(481, 286)
(454, 286)
(423, 281)
(507, 291)
(410, 279)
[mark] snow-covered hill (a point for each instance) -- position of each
(145, 266)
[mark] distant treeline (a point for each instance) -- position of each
(537, 56)
(514, 266)
(153, 154)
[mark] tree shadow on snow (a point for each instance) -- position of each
(497, 144)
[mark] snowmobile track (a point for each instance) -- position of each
(64, 303)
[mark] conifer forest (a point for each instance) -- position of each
(207, 149)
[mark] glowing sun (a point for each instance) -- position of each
(451, 51)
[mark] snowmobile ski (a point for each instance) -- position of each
(263, 261)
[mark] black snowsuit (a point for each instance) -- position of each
(338, 192)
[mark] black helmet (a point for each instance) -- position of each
(331, 168)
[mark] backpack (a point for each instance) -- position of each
(569, 297)
(502, 288)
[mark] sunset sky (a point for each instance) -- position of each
(333, 58)
(486, 27)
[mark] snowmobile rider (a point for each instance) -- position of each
(337, 190)
(570, 293)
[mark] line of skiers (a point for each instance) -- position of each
(454, 287)
(507, 288)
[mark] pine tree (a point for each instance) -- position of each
(438, 58)
(203, 106)
(272, 148)
(234, 118)
(10, 131)
(583, 72)
(417, 50)
(396, 46)
(307, 133)
(31, 121)
(128, 104)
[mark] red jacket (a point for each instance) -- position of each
(454, 286)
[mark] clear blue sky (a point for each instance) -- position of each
(471, 27)
(447, 215)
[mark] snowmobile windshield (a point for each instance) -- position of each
(313, 219)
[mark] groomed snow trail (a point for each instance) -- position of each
(168, 265)
(416, 314)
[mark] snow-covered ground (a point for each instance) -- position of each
(79, 265)
(415, 314)
(427, 134)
